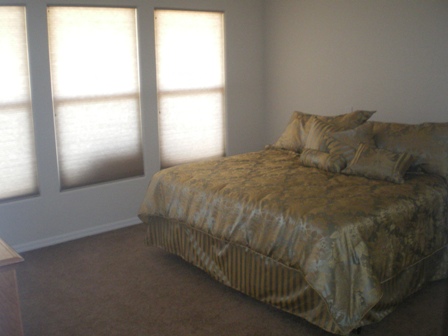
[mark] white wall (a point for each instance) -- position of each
(56, 216)
(331, 56)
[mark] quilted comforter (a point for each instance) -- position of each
(346, 235)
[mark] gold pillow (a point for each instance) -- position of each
(427, 143)
(346, 143)
(325, 161)
(380, 164)
(317, 132)
(290, 138)
(295, 134)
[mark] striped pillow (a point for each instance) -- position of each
(296, 132)
(318, 130)
(325, 161)
(380, 164)
(346, 143)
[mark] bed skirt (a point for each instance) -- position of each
(276, 284)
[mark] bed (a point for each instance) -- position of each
(336, 223)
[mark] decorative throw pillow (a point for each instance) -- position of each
(380, 164)
(427, 143)
(317, 132)
(346, 143)
(325, 161)
(295, 134)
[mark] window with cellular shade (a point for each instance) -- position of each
(190, 85)
(96, 99)
(17, 152)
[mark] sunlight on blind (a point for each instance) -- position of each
(190, 84)
(96, 98)
(17, 153)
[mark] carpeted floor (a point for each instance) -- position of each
(113, 284)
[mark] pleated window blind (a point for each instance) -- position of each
(96, 98)
(190, 85)
(17, 149)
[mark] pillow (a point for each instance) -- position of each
(325, 161)
(346, 143)
(295, 134)
(427, 143)
(290, 139)
(380, 164)
(316, 134)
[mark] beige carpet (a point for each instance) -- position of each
(113, 284)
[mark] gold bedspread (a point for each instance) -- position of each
(345, 234)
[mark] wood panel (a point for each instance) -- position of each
(10, 317)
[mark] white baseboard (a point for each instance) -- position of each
(75, 235)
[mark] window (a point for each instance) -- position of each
(18, 176)
(96, 97)
(190, 85)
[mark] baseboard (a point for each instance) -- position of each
(75, 235)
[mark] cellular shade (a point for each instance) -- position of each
(17, 150)
(96, 99)
(190, 85)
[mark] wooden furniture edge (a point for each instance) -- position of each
(7, 255)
